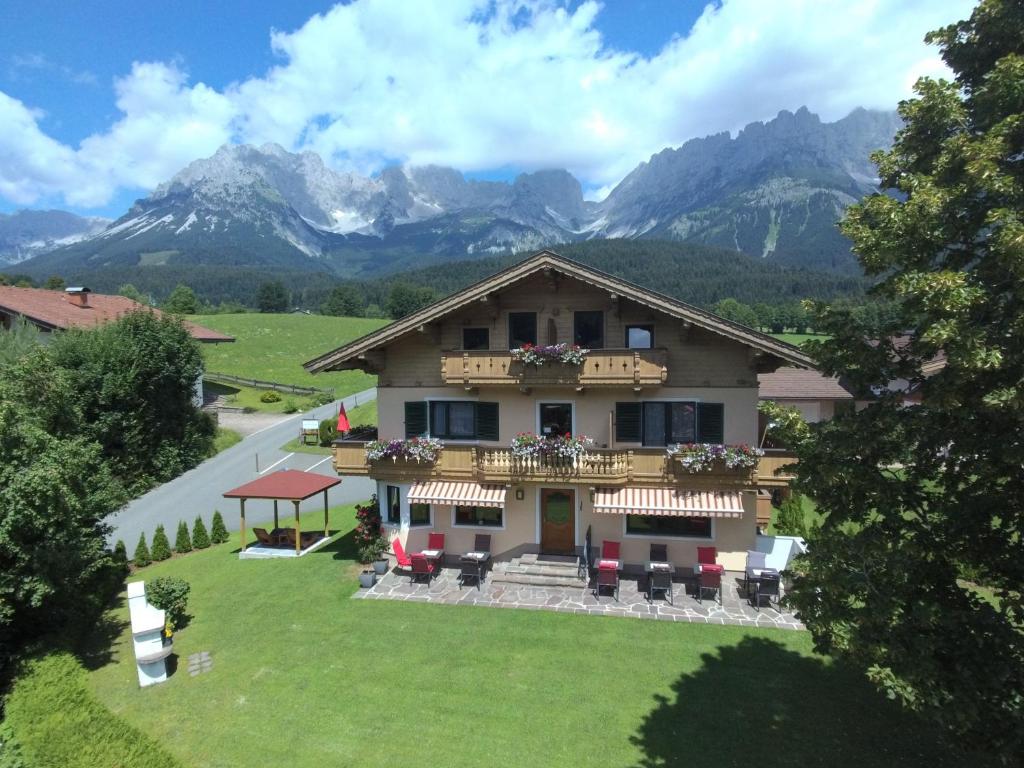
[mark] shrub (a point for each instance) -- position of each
(169, 593)
(121, 553)
(55, 720)
(270, 396)
(200, 538)
(141, 558)
(218, 531)
(161, 546)
(790, 519)
(321, 398)
(182, 541)
(369, 535)
(289, 406)
(328, 431)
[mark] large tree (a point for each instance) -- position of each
(272, 297)
(920, 502)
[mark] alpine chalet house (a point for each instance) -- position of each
(551, 399)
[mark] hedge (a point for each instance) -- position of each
(58, 723)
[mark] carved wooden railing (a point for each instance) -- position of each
(601, 367)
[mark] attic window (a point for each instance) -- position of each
(476, 338)
(522, 329)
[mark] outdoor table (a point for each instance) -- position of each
(479, 558)
(755, 575)
(434, 555)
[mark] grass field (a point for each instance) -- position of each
(274, 347)
(799, 338)
(224, 439)
(304, 676)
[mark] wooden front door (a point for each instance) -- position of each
(558, 521)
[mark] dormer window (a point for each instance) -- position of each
(588, 329)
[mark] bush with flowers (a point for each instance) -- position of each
(420, 449)
(534, 354)
(701, 457)
(527, 444)
(369, 535)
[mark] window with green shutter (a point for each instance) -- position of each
(487, 421)
(711, 422)
(415, 418)
(628, 422)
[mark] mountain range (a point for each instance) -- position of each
(774, 191)
(24, 234)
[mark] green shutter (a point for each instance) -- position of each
(711, 423)
(628, 422)
(415, 418)
(487, 421)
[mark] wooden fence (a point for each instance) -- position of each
(257, 384)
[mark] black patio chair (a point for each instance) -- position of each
(709, 580)
(767, 586)
(469, 569)
(660, 581)
(607, 577)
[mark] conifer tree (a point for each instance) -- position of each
(141, 558)
(161, 546)
(182, 541)
(200, 538)
(218, 531)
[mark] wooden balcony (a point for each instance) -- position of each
(770, 472)
(602, 367)
(604, 467)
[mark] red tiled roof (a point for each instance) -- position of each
(800, 384)
(284, 484)
(54, 309)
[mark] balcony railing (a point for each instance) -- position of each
(608, 467)
(601, 367)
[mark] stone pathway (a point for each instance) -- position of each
(632, 600)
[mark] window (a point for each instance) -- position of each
(522, 329)
(419, 514)
(393, 514)
(456, 420)
(588, 329)
(476, 338)
(555, 419)
(639, 336)
(666, 423)
(488, 517)
(658, 525)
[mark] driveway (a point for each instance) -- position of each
(199, 491)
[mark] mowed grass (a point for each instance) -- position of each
(305, 676)
(799, 338)
(274, 347)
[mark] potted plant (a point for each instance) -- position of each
(370, 539)
(380, 560)
(367, 578)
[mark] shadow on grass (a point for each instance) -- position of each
(96, 646)
(757, 703)
(342, 547)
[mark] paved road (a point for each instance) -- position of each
(199, 491)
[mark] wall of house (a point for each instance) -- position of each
(522, 531)
(592, 408)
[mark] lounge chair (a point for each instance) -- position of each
(306, 538)
(707, 555)
(610, 550)
(404, 561)
(435, 541)
(421, 567)
(265, 538)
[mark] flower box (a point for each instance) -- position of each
(528, 445)
(537, 355)
(705, 457)
(418, 449)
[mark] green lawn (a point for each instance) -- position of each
(304, 676)
(274, 347)
(811, 516)
(361, 414)
(799, 338)
(224, 439)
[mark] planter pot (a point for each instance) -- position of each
(367, 579)
(380, 567)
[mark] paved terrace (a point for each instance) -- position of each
(632, 601)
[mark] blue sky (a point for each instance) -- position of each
(101, 101)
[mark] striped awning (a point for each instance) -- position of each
(462, 494)
(668, 501)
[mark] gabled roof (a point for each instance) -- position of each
(284, 484)
(52, 310)
(800, 384)
(548, 260)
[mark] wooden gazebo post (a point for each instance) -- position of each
(276, 526)
(298, 529)
(241, 529)
(326, 521)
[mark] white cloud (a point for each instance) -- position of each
(480, 86)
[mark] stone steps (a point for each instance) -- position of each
(543, 571)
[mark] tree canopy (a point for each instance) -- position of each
(920, 503)
(182, 301)
(272, 297)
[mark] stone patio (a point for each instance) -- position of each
(632, 601)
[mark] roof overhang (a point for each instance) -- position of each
(348, 356)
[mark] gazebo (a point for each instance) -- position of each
(284, 485)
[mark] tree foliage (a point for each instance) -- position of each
(182, 301)
(169, 593)
(129, 291)
(200, 537)
(161, 549)
(142, 557)
(54, 283)
(272, 297)
(182, 541)
(344, 301)
(218, 531)
(914, 497)
(404, 299)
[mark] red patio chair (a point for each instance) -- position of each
(709, 579)
(435, 541)
(607, 577)
(707, 555)
(421, 567)
(609, 550)
(400, 556)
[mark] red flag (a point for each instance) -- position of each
(343, 425)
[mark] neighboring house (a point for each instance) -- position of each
(818, 397)
(660, 372)
(81, 308)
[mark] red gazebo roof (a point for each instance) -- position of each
(284, 484)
